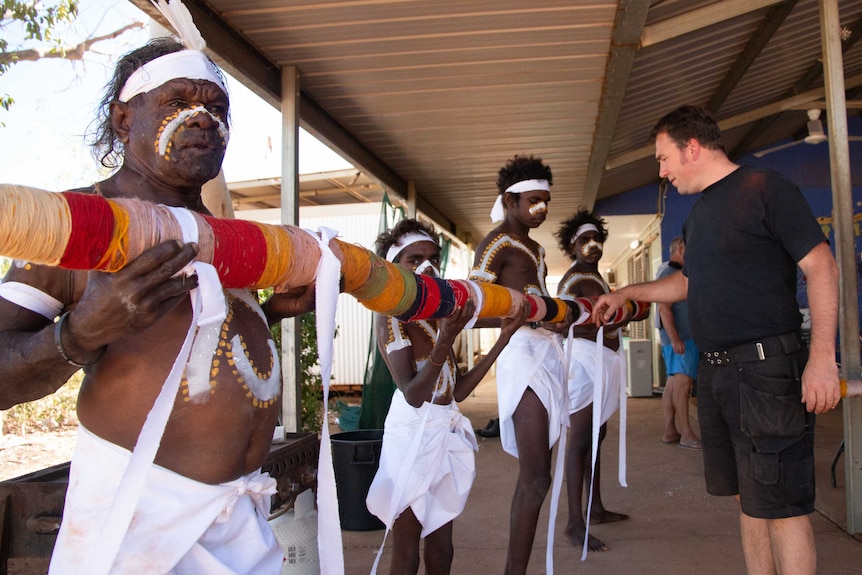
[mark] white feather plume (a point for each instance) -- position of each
(180, 18)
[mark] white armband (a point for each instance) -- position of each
(31, 298)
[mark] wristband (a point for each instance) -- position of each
(434, 363)
(58, 341)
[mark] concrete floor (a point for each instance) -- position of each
(675, 528)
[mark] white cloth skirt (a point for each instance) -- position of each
(435, 485)
(180, 526)
(533, 359)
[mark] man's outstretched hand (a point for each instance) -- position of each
(605, 307)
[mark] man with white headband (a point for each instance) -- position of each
(594, 372)
(426, 464)
(199, 504)
(530, 371)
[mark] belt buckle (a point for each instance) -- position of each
(760, 355)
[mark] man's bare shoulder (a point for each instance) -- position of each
(493, 237)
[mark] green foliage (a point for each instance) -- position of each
(311, 396)
(50, 412)
(32, 21)
(37, 19)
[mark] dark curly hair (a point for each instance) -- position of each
(522, 168)
(106, 147)
(687, 122)
(567, 229)
(408, 226)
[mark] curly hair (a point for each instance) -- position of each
(522, 168)
(106, 147)
(567, 229)
(687, 122)
(407, 226)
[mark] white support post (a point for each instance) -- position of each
(845, 251)
(291, 405)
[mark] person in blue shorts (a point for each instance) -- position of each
(680, 359)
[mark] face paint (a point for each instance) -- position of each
(427, 265)
(590, 246)
(538, 208)
(172, 123)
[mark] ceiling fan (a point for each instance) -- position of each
(816, 135)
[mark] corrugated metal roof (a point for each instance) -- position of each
(442, 93)
(348, 186)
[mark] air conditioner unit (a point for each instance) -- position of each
(639, 368)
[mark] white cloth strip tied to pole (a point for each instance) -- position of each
(559, 467)
(149, 440)
(326, 292)
(600, 382)
(212, 314)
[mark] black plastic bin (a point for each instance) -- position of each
(355, 458)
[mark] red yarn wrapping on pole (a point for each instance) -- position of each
(91, 235)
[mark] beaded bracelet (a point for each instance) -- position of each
(434, 363)
(58, 341)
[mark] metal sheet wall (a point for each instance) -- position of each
(356, 223)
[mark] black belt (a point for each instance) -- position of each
(783, 344)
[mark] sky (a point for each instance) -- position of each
(43, 144)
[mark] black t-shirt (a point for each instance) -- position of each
(743, 239)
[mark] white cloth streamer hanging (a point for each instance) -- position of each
(326, 292)
(598, 395)
(559, 470)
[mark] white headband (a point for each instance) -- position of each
(497, 213)
(405, 241)
(191, 64)
(528, 186)
(582, 230)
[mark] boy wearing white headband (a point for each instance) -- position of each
(582, 238)
(190, 497)
(530, 371)
(423, 417)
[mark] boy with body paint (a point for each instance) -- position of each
(424, 417)
(530, 371)
(582, 239)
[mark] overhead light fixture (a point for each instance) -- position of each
(635, 244)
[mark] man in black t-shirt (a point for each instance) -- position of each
(758, 387)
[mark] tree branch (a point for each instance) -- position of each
(72, 53)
